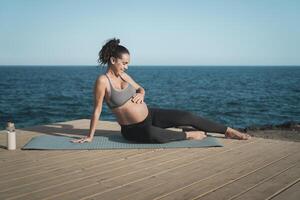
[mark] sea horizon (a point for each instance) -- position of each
(145, 65)
(232, 95)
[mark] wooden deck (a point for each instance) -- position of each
(254, 169)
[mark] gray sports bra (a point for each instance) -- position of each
(119, 97)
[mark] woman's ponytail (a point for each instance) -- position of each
(111, 49)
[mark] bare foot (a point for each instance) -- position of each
(195, 135)
(234, 134)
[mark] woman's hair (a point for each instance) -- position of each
(111, 49)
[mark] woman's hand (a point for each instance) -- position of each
(82, 140)
(138, 98)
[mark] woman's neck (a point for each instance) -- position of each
(111, 72)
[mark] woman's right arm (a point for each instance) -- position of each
(99, 92)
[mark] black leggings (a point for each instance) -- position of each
(152, 129)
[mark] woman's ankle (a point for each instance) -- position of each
(228, 131)
(235, 134)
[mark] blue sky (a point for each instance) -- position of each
(186, 32)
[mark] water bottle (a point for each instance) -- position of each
(11, 136)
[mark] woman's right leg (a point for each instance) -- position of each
(166, 118)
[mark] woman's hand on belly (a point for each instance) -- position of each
(138, 98)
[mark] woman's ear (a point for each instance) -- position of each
(112, 60)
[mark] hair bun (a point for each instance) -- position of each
(113, 44)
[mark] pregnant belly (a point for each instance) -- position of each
(131, 113)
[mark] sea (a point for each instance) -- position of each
(236, 96)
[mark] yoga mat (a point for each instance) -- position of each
(51, 142)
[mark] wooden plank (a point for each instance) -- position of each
(183, 178)
(23, 155)
(146, 171)
(290, 192)
(33, 177)
(16, 155)
(85, 172)
(184, 185)
(43, 164)
(167, 178)
(65, 167)
(241, 184)
(59, 155)
(24, 166)
(92, 174)
(20, 164)
(272, 184)
(112, 175)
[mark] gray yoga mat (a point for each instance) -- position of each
(51, 142)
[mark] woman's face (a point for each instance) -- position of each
(119, 65)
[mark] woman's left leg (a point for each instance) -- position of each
(166, 118)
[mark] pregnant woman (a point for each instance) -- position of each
(139, 123)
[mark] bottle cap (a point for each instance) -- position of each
(10, 126)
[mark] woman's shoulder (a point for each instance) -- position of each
(102, 77)
(101, 80)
